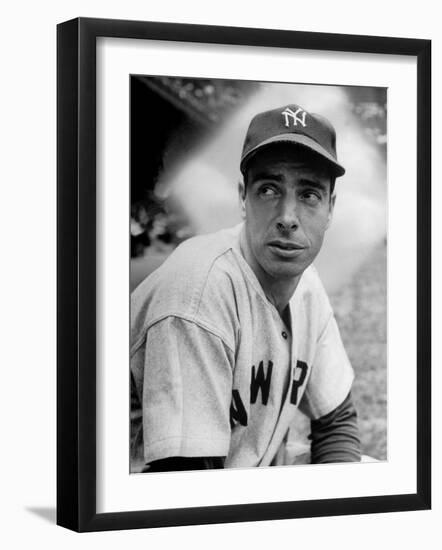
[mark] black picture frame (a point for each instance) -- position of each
(77, 286)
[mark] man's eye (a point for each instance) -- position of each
(268, 191)
(311, 198)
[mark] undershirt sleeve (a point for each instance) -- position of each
(335, 436)
(186, 391)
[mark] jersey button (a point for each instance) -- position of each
(284, 334)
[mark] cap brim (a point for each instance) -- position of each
(298, 139)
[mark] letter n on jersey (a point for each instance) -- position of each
(237, 411)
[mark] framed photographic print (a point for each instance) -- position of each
(243, 274)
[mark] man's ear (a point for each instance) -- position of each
(242, 197)
(331, 208)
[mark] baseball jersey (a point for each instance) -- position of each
(216, 371)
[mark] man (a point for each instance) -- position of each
(234, 331)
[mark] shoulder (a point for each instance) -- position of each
(311, 286)
(193, 283)
(312, 297)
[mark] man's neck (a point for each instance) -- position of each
(278, 290)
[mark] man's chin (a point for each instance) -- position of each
(287, 271)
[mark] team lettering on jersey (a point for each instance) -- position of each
(260, 382)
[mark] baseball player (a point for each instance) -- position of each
(234, 332)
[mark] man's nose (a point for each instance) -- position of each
(288, 215)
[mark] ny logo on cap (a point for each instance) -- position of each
(297, 116)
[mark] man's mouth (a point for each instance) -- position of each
(287, 250)
(286, 245)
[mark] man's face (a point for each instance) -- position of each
(287, 207)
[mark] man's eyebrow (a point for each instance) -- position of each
(266, 175)
(307, 181)
(313, 182)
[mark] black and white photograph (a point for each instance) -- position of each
(244, 275)
(220, 257)
(258, 274)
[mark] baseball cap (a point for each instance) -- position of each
(292, 124)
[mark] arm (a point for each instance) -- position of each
(328, 403)
(185, 396)
(335, 436)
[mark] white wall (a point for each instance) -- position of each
(27, 395)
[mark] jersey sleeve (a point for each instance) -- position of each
(187, 391)
(331, 376)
